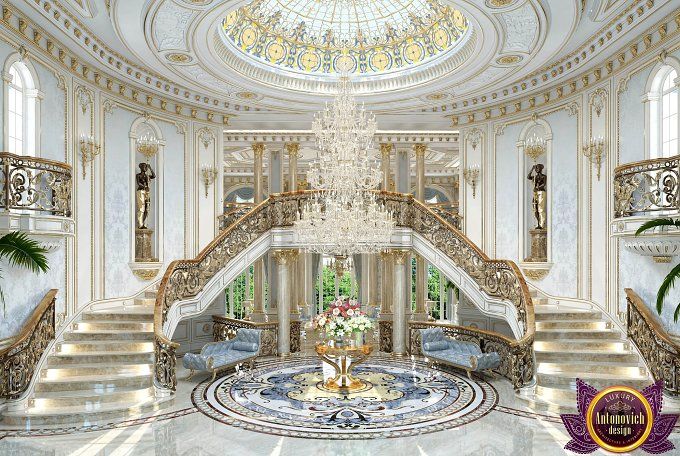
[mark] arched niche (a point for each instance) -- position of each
(535, 128)
(144, 126)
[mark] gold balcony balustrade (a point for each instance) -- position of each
(646, 186)
(19, 360)
(35, 184)
(449, 212)
(660, 351)
(501, 279)
(233, 212)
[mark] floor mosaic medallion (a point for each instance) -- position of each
(402, 398)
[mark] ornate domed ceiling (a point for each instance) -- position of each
(378, 36)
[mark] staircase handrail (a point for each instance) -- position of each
(660, 351)
(186, 278)
(20, 358)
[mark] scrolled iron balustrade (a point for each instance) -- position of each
(500, 279)
(659, 350)
(233, 212)
(35, 184)
(19, 360)
(646, 186)
(450, 214)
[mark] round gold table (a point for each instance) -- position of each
(338, 357)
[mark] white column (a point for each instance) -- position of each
(293, 150)
(385, 150)
(399, 317)
(442, 291)
(283, 259)
(258, 266)
(387, 288)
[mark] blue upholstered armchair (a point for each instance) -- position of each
(464, 355)
(216, 356)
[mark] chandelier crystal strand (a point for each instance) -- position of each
(344, 217)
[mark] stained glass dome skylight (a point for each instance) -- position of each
(379, 36)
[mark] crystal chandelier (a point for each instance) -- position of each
(344, 217)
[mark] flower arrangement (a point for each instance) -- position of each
(342, 319)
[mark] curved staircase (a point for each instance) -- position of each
(575, 343)
(101, 369)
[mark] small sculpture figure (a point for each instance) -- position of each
(143, 178)
(539, 200)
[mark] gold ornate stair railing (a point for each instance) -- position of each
(19, 360)
(448, 212)
(233, 212)
(660, 351)
(35, 184)
(646, 186)
(498, 278)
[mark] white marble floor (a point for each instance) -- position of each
(510, 429)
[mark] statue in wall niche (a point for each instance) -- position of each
(540, 181)
(143, 178)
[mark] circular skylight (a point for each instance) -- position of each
(379, 36)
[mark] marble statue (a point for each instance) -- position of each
(540, 181)
(143, 178)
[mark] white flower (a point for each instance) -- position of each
(336, 311)
(350, 312)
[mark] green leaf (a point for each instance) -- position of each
(676, 314)
(657, 222)
(21, 251)
(666, 286)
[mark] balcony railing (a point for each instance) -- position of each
(233, 212)
(648, 186)
(35, 184)
(449, 212)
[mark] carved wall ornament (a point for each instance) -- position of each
(598, 100)
(572, 108)
(84, 97)
(206, 136)
(145, 274)
(474, 136)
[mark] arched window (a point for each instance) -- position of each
(669, 115)
(21, 111)
(662, 112)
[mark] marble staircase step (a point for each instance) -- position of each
(576, 334)
(90, 399)
(597, 380)
(566, 315)
(76, 370)
(60, 359)
(594, 367)
(105, 345)
(108, 334)
(553, 405)
(94, 381)
(600, 356)
(34, 417)
(607, 346)
(119, 325)
(573, 324)
(129, 313)
(144, 301)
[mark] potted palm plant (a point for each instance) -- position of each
(22, 252)
(669, 281)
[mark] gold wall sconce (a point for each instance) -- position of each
(89, 149)
(594, 151)
(534, 147)
(471, 176)
(209, 174)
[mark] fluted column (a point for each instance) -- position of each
(399, 316)
(283, 260)
(385, 150)
(421, 266)
(293, 150)
(258, 266)
(387, 288)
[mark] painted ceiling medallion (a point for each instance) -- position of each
(509, 59)
(499, 3)
(178, 57)
(378, 36)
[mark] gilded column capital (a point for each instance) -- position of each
(400, 256)
(258, 149)
(284, 256)
(420, 149)
(293, 149)
(386, 149)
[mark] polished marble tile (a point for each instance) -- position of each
(510, 429)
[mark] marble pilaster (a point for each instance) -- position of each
(399, 315)
(258, 266)
(284, 259)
